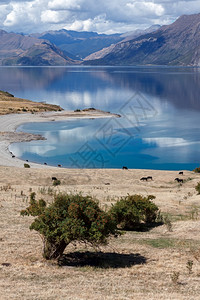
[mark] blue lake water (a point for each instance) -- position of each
(159, 127)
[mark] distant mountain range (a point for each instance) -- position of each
(175, 44)
(78, 45)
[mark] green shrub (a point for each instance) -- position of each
(197, 188)
(26, 166)
(197, 170)
(56, 182)
(133, 211)
(69, 218)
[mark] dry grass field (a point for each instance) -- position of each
(163, 263)
(10, 105)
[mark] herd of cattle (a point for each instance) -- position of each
(179, 180)
(142, 179)
(123, 168)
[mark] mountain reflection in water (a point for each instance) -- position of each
(160, 111)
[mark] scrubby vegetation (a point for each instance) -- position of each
(69, 218)
(26, 165)
(197, 188)
(56, 182)
(197, 170)
(134, 211)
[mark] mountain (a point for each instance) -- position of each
(175, 44)
(125, 37)
(17, 49)
(78, 44)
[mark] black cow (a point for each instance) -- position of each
(143, 178)
(53, 178)
(13, 156)
(124, 168)
(178, 180)
(45, 164)
(59, 166)
(180, 173)
(27, 160)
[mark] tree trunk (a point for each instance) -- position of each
(53, 250)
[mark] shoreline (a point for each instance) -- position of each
(10, 122)
(8, 135)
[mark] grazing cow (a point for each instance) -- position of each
(180, 173)
(45, 164)
(53, 178)
(13, 156)
(59, 166)
(27, 160)
(124, 168)
(107, 183)
(149, 178)
(143, 178)
(178, 180)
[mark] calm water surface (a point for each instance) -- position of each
(159, 127)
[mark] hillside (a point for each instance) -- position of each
(13, 105)
(126, 37)
(17, 49)
(138, 265)
(175, 44)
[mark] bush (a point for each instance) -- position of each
(134, 210)
(56, 182)
(197, 170)
(197, 188)
(26, 166)
(69, 218)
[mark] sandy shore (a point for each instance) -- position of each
(10, 122)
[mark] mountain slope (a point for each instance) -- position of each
(126, 37)
(17, 49)
(175, 44)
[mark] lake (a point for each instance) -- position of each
(159, 126)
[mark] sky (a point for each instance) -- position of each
(102, 16)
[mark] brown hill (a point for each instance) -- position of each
(17, 49)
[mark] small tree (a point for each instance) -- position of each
(197, 170)
(197, 188)
(69, 218)
(133, 210)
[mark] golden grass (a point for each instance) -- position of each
(10, 104)
(137, 265)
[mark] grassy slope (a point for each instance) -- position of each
(10, 104)
(138, 265)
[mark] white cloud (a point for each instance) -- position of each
(142, 8)
(64, 4)
(20, 15)
(102, 16)
(51, 17)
